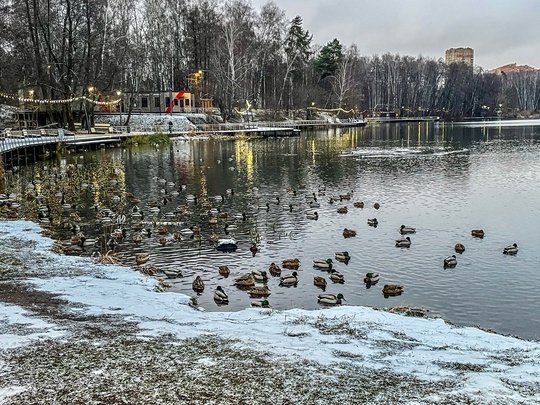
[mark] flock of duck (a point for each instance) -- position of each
(54, 195)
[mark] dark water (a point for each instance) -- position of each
(445, 180)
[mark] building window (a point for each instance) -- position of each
(144, 102)
(187, 102)
(182, 103)
(167, 101)
(175, 101)
(157, 102)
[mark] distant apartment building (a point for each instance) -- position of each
(459, 55)
(511, 68)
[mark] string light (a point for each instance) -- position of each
(61, 101)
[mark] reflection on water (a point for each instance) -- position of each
(443, 179)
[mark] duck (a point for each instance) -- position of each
(198, 284)
(403, 242)
(342, 210)
(170, 273)
(319, 282)
(330, 299)
(346, 197)
(288, 280)
(359, 204)
(450, 261)
(323, 264)
(376, 206)
(220, 295)
(314, 204)
(162, 240)
(247, 280)
(312, 215)
(263, 291)
(406, 229)
(291, 263)
(459, 248)
(511, 250)
(348, 233)
(371, 278)
(274, 270)
(372, 222)
(253, 249)
(142, 258)
(392, 289)
(342, 256)
(260, 276)
(224, 271)
(477, 233)
(336, 276)
(261, 304)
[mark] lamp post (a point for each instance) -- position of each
(90, 91)
(119, 93)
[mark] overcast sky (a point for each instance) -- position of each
(499, 31)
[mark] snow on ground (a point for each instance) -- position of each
(450, 364)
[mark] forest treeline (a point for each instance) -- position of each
(59, 48)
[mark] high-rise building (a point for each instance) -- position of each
(460, 55)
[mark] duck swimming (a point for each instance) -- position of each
(291, 263)
(330, 299)
(289, 280)
(406, 229)
(342, 256)
(450, 261)
(246, 280)
(336, 276)
(319, 282)
(348, 233)
(371, 278)
(260, 276)
(198, 284)
(372, 222)
(403, 242)
(220, 295)
(477, 233)
(323, 264)
(263, 291)
(274, 270)
(261, 304)
(392, 289)
(224, 271)
(511, 250)
(459, 248)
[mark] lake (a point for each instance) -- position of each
(443, 179)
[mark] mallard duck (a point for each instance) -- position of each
(330, 299)
(346, 197)
(319, 282)
(450, 261)
(459, 248)
(371, 278)
(137, 237)
(336, 276)
(342, 210)
(198, 284)
(290, 279)
(274, 270)
(260, 276)
(247, 280)
(291, 263)
(224, 271)
(406, 229)
(477, 233)
(376, 206)
(263, 291)
(392, 289)
(212, 221)
(359, 204)
(170, 273)
(403, 242)
(220, 295)
(312, 215)
(511, 250)
(342, 256)
(162, 240)
(142, 258)
(348, 233)
(372, 222)
(261, 304)
(253, 249)
(323, 264)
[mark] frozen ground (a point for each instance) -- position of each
(75, 332)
